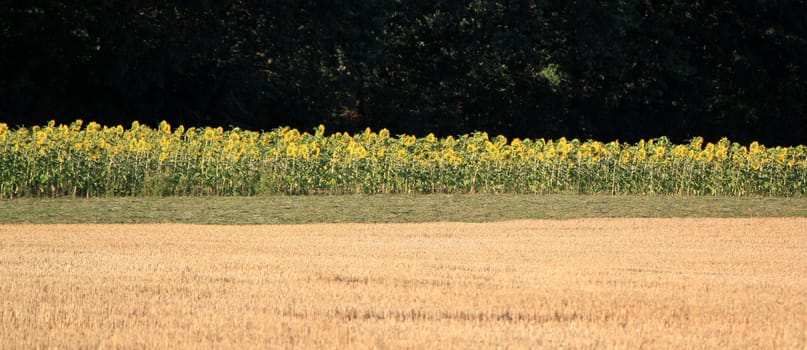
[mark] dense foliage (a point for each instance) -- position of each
(624, 69)
(59, 160)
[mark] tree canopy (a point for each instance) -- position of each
(621, 69)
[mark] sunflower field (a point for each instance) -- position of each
(94, 160)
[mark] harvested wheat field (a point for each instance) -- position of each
(589, 283)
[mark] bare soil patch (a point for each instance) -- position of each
(585, 283)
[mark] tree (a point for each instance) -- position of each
(624, 69)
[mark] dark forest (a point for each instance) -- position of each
(623, 69)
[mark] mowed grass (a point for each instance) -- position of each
(587, 283)
(387, 208)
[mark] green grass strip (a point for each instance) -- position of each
(386, 208)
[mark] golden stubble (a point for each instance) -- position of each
(590, 283)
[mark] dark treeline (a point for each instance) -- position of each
(623, 69)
